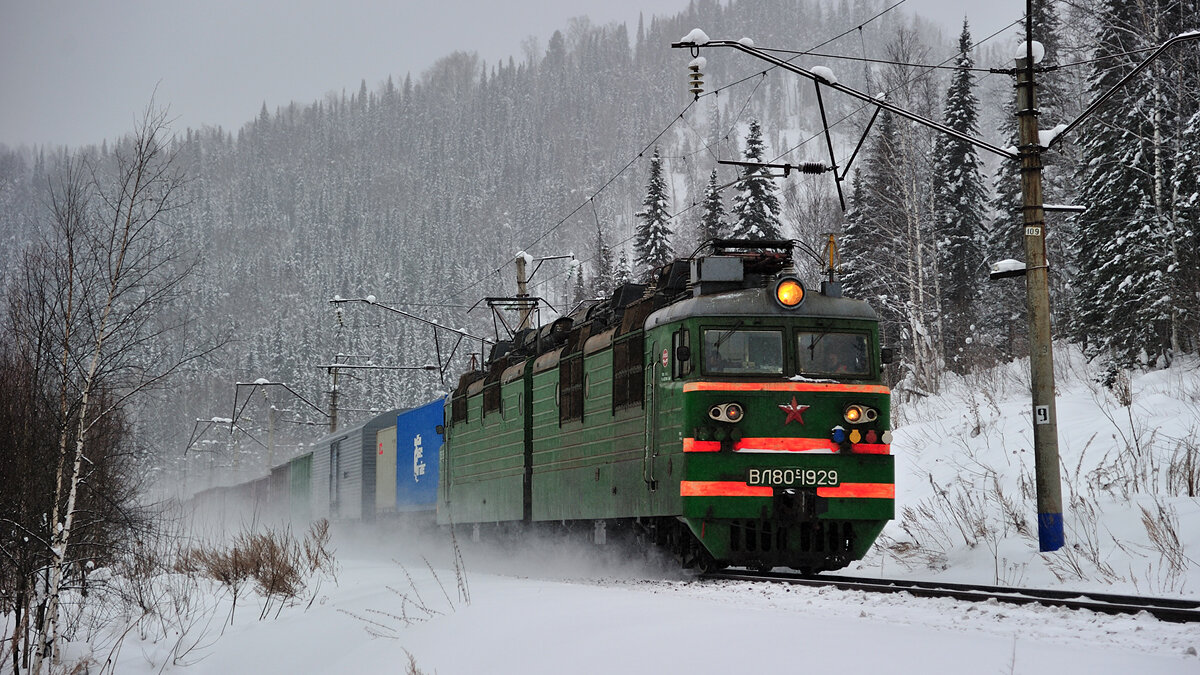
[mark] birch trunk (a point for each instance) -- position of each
(128, 219)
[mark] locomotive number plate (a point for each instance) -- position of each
(792, 477)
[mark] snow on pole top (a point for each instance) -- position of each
(696, 37)
(262, 380)
(370, 299)
(698, 63)
(1039, 52)
(824, 73)
(528, 258)
(746, 42)
(336, 298)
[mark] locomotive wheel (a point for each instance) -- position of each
(706, 564)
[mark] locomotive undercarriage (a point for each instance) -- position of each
(806, 545)
(761, 544)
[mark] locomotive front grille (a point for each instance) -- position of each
(768, 536)
(757, 536)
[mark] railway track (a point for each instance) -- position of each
(1164, 609)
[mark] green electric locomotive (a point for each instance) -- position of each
(720, 411)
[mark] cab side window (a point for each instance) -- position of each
(681, 358)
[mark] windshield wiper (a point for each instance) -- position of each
(725, 336)
(812, 346)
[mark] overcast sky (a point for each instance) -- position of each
(78, 71)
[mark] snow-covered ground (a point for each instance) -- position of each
(605, 625)
(965, 513)
(564, 608)
(966, 507)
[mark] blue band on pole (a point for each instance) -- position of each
(1050, 531)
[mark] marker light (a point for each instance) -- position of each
(838, 435)
(727, 412)
(857, 414)
(789, 293)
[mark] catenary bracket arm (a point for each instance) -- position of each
(853, 93)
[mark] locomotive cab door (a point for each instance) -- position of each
(653, 368)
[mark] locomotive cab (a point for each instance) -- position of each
(784, 420)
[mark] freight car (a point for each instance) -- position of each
(721, 411)
(343, 470)
(352, 475)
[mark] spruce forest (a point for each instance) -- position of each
(420, 190)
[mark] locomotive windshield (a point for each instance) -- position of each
(743, 352)
(838, 354)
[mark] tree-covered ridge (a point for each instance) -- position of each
(420, 191)
(415, 190)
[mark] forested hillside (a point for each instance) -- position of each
(420, 190)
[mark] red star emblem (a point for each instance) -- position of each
(794, 412)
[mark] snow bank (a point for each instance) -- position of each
(964, 482)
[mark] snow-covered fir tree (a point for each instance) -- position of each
(712, 217)
(756, 207)
(1003, 321)
(604, 280)
(1186, 276)
(623, 273)
(652, 242)
(1177, 176)
(1133, 269)
(868, 237)
(578, 287)
(959, 196)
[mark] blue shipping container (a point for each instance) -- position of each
(418, 445)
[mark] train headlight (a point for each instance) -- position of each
(727, 412)
(789, 292)
(857, 414)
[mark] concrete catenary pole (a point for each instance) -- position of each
(333, 401)
(523, 291)
(1041, 355)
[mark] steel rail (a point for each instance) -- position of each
(1175, 610)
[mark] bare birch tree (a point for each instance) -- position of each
(96, 319)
